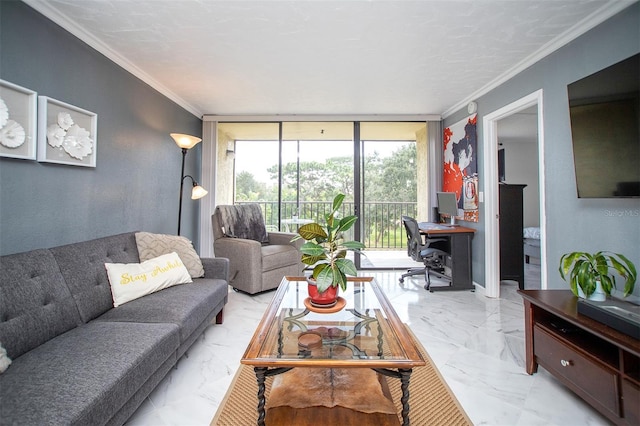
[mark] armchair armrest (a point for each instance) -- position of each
(284, 238)
(217, 268)
(242, 253)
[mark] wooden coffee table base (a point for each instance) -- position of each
(365, 334)
(313, 416)
(323, 414)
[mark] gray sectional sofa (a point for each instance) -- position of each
(76, 360)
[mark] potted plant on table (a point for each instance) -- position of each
(326, 249)
(590, 276)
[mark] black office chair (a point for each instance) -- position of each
(431, 252)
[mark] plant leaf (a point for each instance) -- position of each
(312, 249)
(337, 202)
(346, 223)
(353, 245)
(324, 279)
(311, 260)
(312, 231)
(347, 267)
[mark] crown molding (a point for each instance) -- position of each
(51, 13)
(605, 12)
(320, 117)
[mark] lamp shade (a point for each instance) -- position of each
(185, 141)
(198, 192)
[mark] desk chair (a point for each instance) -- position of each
(431, 252)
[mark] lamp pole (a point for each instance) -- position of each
(186, 142)
(184, 154)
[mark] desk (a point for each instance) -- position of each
(460, 242)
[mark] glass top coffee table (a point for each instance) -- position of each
(362, 330)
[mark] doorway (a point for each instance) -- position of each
(491, 124)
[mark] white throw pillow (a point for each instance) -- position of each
(130, 281)
(153, 245)
(5, 361)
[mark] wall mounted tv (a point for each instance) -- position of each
(605, 131)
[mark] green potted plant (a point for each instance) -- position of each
(326, 249)
(586, 272)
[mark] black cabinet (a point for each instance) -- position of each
(511, 228)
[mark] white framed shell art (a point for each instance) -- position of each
(18, 122)
(66, 134)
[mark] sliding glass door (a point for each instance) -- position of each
(294, 169)
(389, 189)
(317, 164)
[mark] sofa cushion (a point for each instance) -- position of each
(130, 281)
(82, 265)
(153, 245)
(278, 256)
(243, 221)
(84, 376)
(185, 305)
(35, 303)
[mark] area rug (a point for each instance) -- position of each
(431, 400)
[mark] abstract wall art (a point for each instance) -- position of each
(460, 168)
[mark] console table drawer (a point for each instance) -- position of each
(594, 381)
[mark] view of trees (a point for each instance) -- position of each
(387, 179)
(389, 182)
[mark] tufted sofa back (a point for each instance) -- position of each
(35, 302)
(46, 292)
(82, 266)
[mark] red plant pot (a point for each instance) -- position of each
(327, 297)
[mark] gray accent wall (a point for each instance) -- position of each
(136, 183)
(572, 224)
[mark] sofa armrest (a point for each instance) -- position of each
(217, 267)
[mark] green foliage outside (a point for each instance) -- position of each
(386, 180)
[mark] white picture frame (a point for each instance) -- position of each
(18, 121)
(67, 134)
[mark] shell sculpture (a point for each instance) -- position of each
(72, 138)
(12, 134)
(77, 142)
(4, 113)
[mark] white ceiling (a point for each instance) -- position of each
(326, 57)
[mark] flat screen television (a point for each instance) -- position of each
(605, 131)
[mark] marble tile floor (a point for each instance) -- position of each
(477, 343)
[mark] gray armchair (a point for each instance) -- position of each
(257, 259)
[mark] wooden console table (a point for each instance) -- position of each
(598, 363)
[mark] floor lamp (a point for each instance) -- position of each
(186, 142)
